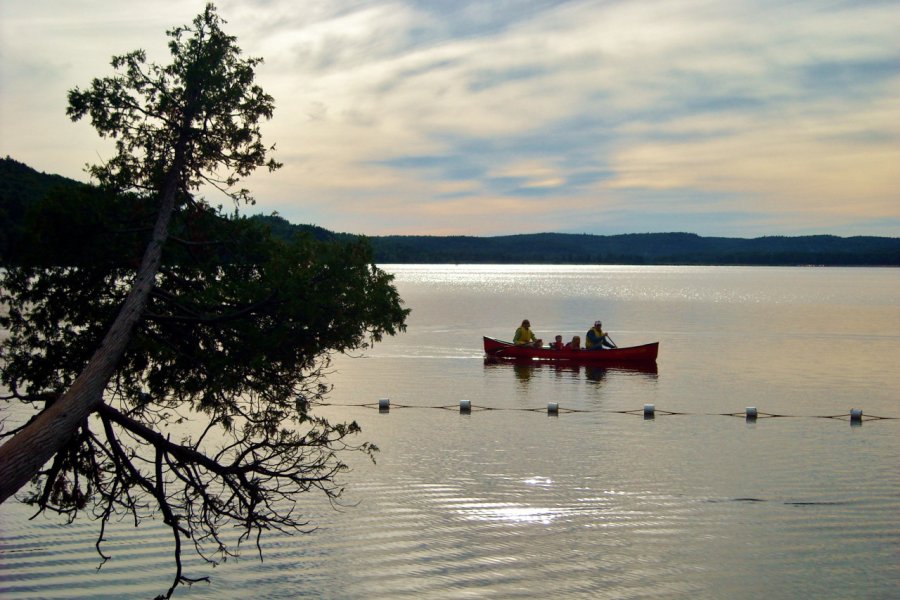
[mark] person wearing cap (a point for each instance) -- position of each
(525, 337)
(597, 339)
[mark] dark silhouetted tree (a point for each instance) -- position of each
(142, 311)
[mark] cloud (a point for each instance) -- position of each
(616, 116)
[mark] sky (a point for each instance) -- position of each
(738, 118)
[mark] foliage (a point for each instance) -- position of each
(204, 104)
(236, 331)
(238, 334)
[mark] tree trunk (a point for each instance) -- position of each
(22, 456)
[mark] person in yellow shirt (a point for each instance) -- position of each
(597, 339)
(525, 337)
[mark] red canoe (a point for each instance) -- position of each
(634, 354)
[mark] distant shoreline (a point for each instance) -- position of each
(20, 186)
(487, 264)
(663, 249)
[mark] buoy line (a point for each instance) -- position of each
(648, 411)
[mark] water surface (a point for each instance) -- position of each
(597, 502)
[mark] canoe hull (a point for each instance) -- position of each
(647, 353)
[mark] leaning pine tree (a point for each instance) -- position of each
(142, 311)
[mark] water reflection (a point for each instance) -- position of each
(509, 503)
(513, 513)
(524, 369)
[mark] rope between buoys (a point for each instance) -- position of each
(638, 411)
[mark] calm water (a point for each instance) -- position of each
(595, 502)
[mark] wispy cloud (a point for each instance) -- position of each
(739, 118)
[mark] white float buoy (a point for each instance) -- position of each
(856, 414)
(384, 404)
(553, 408)
(649, 409)
(751, 413)
(465, 406)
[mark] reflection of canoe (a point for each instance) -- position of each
(592, 370)
(635, 354)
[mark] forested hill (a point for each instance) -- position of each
(639, 249)
(634, 249)
(20, 186)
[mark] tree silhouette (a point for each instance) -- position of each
(173, 352)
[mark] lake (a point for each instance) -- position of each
(597, 501)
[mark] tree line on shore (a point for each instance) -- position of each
(631, 249)
(22, 186)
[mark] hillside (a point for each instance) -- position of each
(21, 185)
(647, 248)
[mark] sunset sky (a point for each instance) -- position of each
(736, 118)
